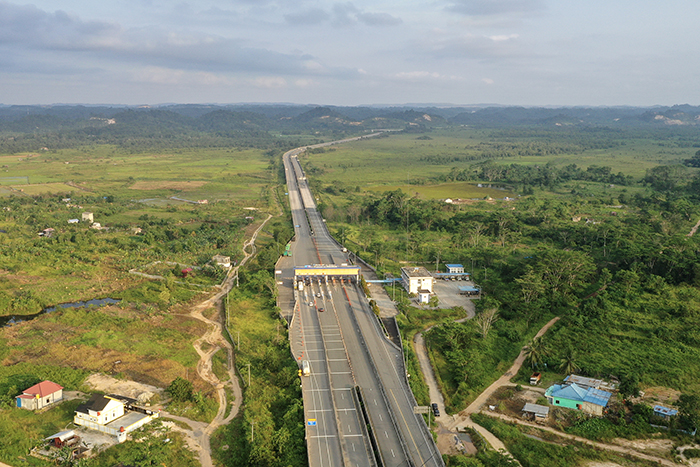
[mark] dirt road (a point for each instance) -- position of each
(448, 425)
(213, 340)
(608, 447)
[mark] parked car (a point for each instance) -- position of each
(436, 410)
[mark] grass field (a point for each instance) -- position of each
(454, 191)
(403, 158)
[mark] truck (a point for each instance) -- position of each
(535, 379)
(305, 368)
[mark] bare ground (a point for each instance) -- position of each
(109, 385)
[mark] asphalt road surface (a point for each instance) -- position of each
(346, 348)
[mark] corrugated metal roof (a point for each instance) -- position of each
(575, 392)
(597, 397)
(539, 410)
(661, 410)
(584, 381)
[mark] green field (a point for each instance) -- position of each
(454, 191)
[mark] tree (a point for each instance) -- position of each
(567, 364)
(180, 389)
(536, 351)
(688, 412)
(485, 320)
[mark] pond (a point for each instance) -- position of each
(9, 320)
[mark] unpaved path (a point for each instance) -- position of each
(213, 340)
(608, 447)
(448, 425)
(694, 229)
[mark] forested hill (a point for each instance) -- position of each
(27, 128)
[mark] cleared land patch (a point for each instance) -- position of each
(167, 185)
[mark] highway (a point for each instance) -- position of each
(333, 328)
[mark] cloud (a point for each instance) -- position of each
(31, 34)
(27, 25)
(472, 46)
(378, 19)
(270, 82)
(495, 7)
(341, 14)
(308, 17)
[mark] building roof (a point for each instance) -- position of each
(43, 389)
(424, 291)
(583, 381)
(454, 265)
(574, 392)
(63, 435)
(416, 272)
(539, 410)
(96, 403)
(468, 288)
(661, 410)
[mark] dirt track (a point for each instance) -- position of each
(199, 434)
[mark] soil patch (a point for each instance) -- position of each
(133, 389)
(655, 447)
(167, 185)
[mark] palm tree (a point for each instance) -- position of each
(567, 364)
(536, 351)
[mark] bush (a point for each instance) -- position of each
(180, 390)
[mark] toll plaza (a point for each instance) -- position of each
(326, 272)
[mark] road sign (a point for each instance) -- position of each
(421, 409)
(311, 422)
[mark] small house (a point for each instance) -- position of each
(417, 278)
(88, 217)
(573, 396)
(186, 272)
(47, 232)
(535, 411)
(73, 221)
(40, 395)
(221, 260)
(112, 414)
(64, 438)
(424, 296)
(664, 412)
(99, 410)
(455, 268)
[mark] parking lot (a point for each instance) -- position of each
(448, 294)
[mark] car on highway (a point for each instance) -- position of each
(436, 410)
(321, 310)
(311, 303)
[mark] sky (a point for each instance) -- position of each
(359, 52)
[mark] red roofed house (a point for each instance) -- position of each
(40, 395)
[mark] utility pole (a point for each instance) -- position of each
(249, 375)
(239, 340)
(252, 432)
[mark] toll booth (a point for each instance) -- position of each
(326, 272)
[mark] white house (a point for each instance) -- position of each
(112, 414)
(40, 395)
(99, 410)
(455, 268)
(417, 279)
(221, 260)
(88, 217)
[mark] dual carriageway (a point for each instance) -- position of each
(358, 407)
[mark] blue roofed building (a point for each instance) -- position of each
(455, 268)
(587, 399)
(664, 412)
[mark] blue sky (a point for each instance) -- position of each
(517, 52)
